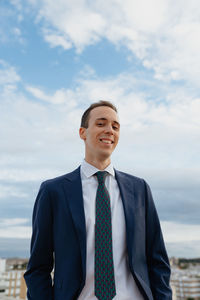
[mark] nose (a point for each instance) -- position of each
(109, 129)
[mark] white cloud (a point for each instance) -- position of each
(163, 34)
(73, 22)
(13, 222)
(56, 39)
(14, 228)
(8, 76)
(188, 249)
(11, 15)
(62, 96)
(18, 35)
(6, 191)
(177, 233)
(23, 174)
(16, 232)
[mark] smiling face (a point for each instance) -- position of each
(101, 136)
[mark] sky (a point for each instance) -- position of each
(58, 57)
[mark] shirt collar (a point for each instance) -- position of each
(89, 170)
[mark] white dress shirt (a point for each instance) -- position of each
(126, 288)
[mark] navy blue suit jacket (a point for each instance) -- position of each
(59, 240)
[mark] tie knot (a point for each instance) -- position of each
(101, 175)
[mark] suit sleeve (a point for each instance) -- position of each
(157, 259)
(38, 274)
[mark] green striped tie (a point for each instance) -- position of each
(104, 268)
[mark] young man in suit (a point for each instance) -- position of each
(97, 227)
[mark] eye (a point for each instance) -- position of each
(100, 124)
(115, 127)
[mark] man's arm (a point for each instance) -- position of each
(38, 274)
(157, 259)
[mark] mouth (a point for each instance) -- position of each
(106, 141)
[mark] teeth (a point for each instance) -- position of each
(106, 141)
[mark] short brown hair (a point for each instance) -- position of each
(86, 114)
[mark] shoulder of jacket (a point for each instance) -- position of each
(131, 177)
(59, 179)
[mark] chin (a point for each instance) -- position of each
(105, 154)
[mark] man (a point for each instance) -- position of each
(97, 227)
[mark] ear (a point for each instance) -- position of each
(82, 133)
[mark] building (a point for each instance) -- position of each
(186, 284)
(12, 284)
(15, 284)
(2, 265)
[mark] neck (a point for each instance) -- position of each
(101, 165)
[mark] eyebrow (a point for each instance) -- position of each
(104, 119)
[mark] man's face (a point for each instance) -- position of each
(102, 135)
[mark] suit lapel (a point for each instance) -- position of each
(75, 202)
(127, 194)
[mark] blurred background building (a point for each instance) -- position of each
(12, 284)
(185, 279)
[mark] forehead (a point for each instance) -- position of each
(103, 112)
